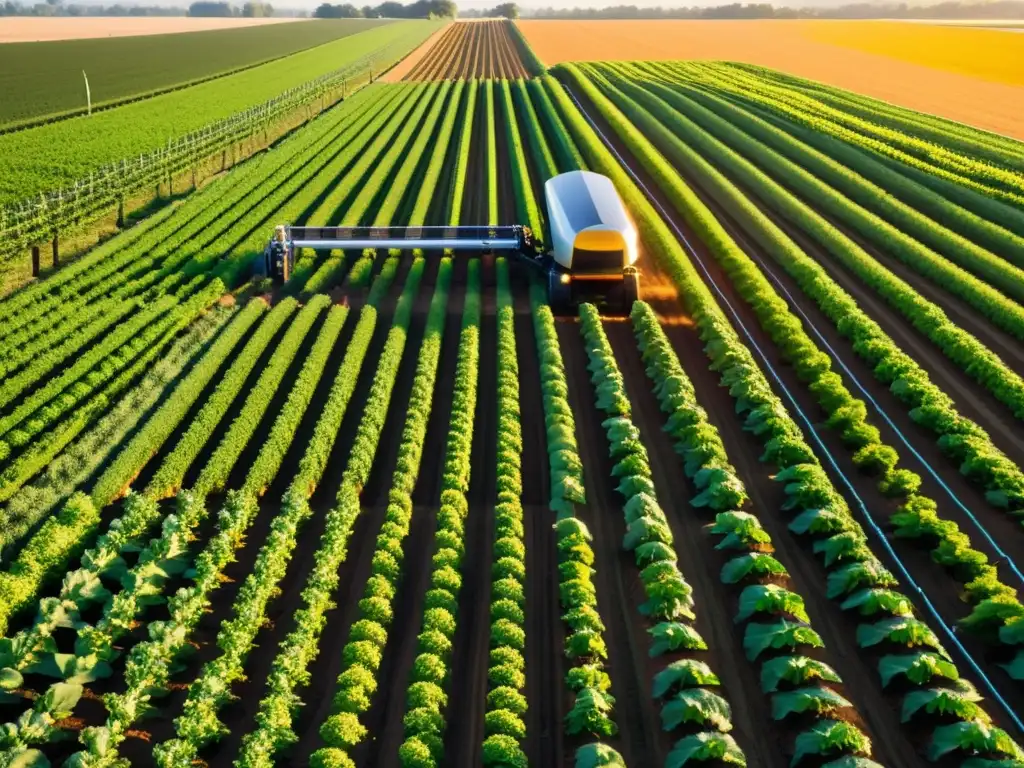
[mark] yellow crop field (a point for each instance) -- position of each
(988, 54)
(891, 61)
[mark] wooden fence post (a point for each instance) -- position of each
(56, 254)
(120, 212)
(35, 261)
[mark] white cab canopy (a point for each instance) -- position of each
(590, 229)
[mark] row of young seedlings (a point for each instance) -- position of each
(149, 663)
(81, 460)
(998, 616)
(776, 620)
(164, 556)
(198, 726)
(430, 677)
(362, 654)
(274, 730)
(856, 572)
(592, 712)
(47, 553)
(506, 704)
(685, 686)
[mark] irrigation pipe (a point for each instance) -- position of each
(794, 304)
(947, 629)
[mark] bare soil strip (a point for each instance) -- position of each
(466, 50)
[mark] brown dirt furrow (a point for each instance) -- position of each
(619, 593)
(384, 719)
(764, 741)
(464, 735)
(239, 715)
(545, 668)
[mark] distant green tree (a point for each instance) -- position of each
(505, 11)
(205, 8)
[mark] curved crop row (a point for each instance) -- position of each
(368, 636)
(959, 438)
(924, 215)
(817, 509)
(917, 517)
(426, 705)
(290, 669)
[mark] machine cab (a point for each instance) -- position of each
(593, 243)
(591, 233)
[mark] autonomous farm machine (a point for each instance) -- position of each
(592, 255)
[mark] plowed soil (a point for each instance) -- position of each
(471, 49)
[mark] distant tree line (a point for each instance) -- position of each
(252, 10)
(421, 9)
(1001, 9)
(56, 8)
(503, 11)
(53, 9)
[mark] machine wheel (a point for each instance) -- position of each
(559, 294)
(630, 291)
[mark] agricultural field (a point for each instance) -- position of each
(977, 81)
(47, 157)
(472, 49)
(394, 511)
(44, 79)
(28, 29)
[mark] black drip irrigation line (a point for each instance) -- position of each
(948, 629)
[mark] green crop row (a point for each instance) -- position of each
(962, 348)
(959, 438)
(754, 572)
(893, 227)
(491, 135)
(426, 705)
(368, 636)
(964, 138)
(111, 377)
(818, 510)
(970, 172)
(76, 464)
(431, 177)
(149, 663)
(915, 209)
(199, 725)
(954, 187)
(684, 687)
(262, 746)
(527, 210)
(505, 705)
(917, 517)
(168, 477)
(458, 182)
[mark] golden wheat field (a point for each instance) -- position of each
(975, 76)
